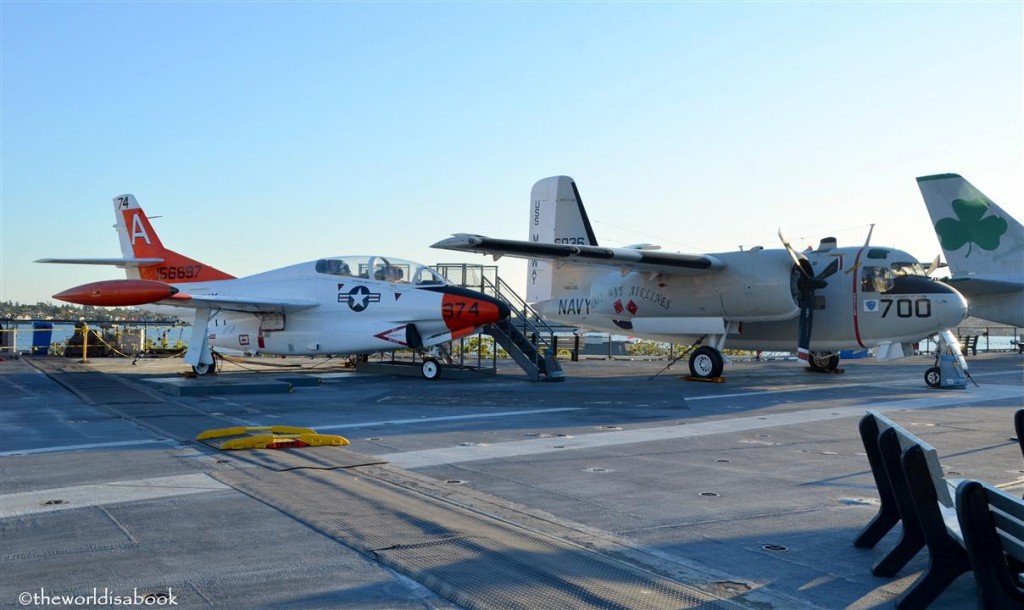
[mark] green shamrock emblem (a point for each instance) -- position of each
(971, 228)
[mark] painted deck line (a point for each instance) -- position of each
(787, 390)
(814, 388)
(427, 420)
(86, 446)
(453, 455)
(79, 496)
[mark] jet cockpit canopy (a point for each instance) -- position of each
(380, 268)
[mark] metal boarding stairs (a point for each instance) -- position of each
(526, 337)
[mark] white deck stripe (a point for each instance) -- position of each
(815, 388)
(454, 455)
(426, 420)
(79, 447)
(32, 502)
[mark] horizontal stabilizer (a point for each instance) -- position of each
(977, 286)
(118, 262)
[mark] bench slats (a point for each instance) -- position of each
(1006, 503)
(983, 511)
(1014, 547)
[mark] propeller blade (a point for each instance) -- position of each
(832, 268)
(798, 259)
(807, 285)
(803, 342)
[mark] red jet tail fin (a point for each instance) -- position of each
(139, 240)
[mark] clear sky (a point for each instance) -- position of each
(268, 133)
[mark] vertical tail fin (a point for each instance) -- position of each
(557, 216)
(978, 238)
(139, 240)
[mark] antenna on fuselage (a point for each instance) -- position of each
(871, 229)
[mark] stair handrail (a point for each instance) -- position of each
(524, 317)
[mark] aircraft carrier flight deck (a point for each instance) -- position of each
(614, 489)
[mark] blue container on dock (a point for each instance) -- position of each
(42, 332)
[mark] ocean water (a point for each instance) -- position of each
(22, 335)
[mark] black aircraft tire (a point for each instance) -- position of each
(431, 369)
(204, 368)
(933, 377)
(833, 363)
(706, 362)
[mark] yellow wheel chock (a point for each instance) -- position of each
(275, 437)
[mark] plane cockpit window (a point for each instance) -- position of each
(879, 253)
(333, 266)
(426, 276)
(901, 269)
(379, 268)
(876, 279)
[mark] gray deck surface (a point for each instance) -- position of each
(610, 490)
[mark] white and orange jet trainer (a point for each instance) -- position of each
(338, 305)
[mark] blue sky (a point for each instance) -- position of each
(270, 133)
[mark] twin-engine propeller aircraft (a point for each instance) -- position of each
(984, 247)
(338, 305)
(861, 297)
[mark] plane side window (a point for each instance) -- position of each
(901, 269)
(876, 279)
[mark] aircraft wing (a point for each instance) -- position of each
(979, 286)
(230, 303)
(623, 258)
(119, 262)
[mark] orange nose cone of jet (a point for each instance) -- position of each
(465, 309)
(117, 293)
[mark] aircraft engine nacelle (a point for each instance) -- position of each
(754, 287)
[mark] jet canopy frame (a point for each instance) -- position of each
(389, 269)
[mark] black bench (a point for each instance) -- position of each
(992, 522)
(912, 489)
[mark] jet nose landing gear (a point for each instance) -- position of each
(431, 369)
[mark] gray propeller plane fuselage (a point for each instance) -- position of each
(756, 299)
